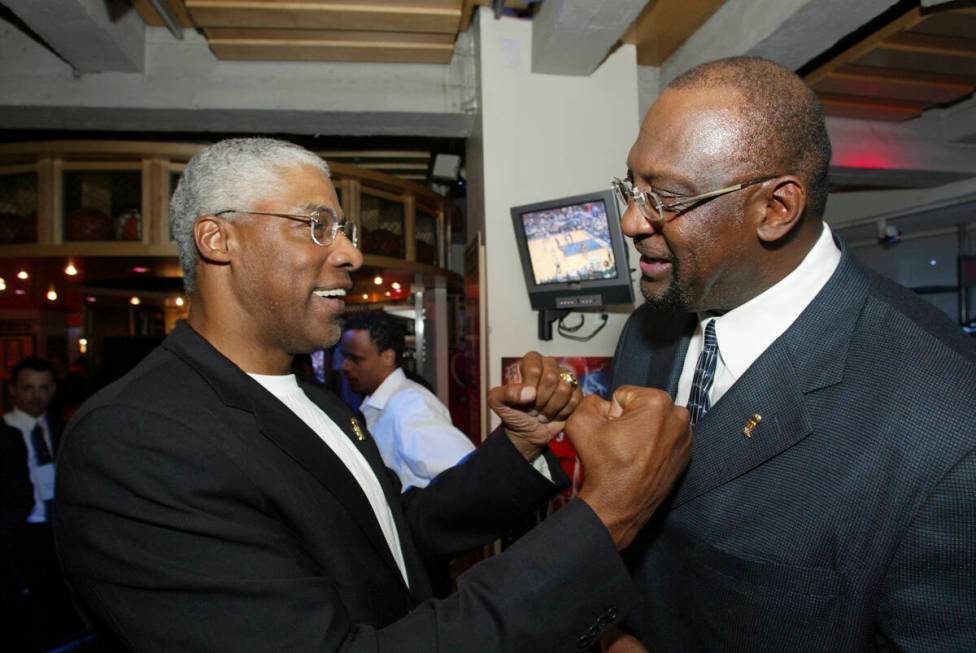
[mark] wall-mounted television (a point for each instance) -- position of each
(572, 252)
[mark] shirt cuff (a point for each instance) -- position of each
(541, 465)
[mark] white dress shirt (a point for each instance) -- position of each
(286, 389)
(42, 478)
(746, 331)
(413, 430)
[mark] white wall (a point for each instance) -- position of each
(543, 137)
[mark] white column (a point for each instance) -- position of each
(542, 137)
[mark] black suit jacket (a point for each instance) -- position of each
(847, 521)
(197, 513)
(16, 489)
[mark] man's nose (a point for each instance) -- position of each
(344, 254)
(633, 223)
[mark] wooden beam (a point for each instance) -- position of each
(931, 44)
(318, 50)
(325, 36)
(373, 154)
(665, 25)
(394, 166)
(467, 13)
(861, 48)
(152, 18)
(886, 89)
(859, 107)
(385, 16)
(901, 76)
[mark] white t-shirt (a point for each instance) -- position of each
(286, 389)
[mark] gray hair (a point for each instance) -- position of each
(231, 174)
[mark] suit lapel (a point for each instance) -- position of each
(721, 451)
(287, 431)
(809, 356)
(652, 350)
(391, 491)
(280, 425)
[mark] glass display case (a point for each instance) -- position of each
(102, 205)
(18, 207)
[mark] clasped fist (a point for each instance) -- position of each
(534, 409)
(633, 447)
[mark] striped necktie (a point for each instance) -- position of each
(698, 403)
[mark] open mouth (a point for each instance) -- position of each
(653, 267)
(336, 293)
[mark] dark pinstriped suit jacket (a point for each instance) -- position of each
(847, 522)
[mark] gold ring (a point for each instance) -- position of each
(569, 378)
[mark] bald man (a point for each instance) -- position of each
(831, 500)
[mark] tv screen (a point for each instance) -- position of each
(570, 243)
(572, 252)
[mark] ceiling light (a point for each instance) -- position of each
(388, 293)
(135, 301)
(378, 280)
(20, 291)
(179, 301)
(3, 284)
(82, 345)
(395, 285)
(22, 275)
(52, 294)
(365, 296)
(70, 269)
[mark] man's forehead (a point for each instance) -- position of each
(303, 185)
(35, 377)
(686, 128)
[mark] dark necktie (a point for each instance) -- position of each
(42, 456)
(42, 453)
(698, 403)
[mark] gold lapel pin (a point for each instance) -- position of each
(751, 425)
(357, 429)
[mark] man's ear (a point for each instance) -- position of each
(389, 357)
(781, 205)
(211, 237)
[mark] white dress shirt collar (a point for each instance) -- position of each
(746, 331)
(23, 421)
(385, 390)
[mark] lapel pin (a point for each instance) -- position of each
(357, 429)
(751, 425)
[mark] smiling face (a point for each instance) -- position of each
(706, 257)
(288, 290)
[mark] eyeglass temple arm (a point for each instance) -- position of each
(716, 193)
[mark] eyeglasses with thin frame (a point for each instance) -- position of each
(324, 224)
(656, 210)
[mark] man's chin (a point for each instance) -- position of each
(663, 297)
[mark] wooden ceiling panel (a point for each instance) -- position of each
(284, 35)
(850, 106)
(329, 14)
(955, 23)
(152, 18)
(319, 50)
(920, 59)
(841, 84)
(919, 62)
(663, 26)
